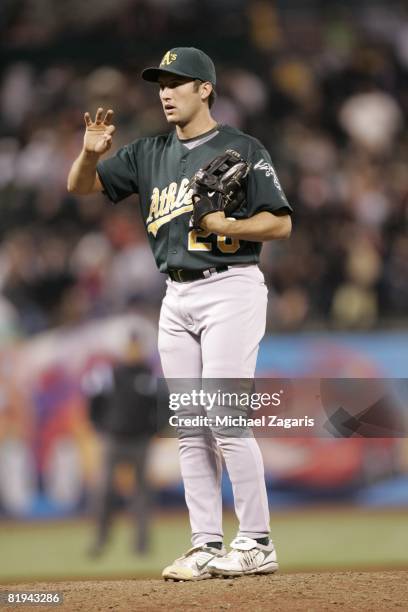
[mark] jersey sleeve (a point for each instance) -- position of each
(118, 174)
(264, 191)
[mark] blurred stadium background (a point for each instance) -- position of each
(324, 85)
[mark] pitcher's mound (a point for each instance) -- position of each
(362, 591)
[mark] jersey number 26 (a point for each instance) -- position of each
(197, 242)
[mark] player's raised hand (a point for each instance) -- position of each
(98, 134)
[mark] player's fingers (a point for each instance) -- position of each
(108, 117)
(88, 120)
(98, 116)
(110, 129)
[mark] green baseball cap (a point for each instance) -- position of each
(184, 61)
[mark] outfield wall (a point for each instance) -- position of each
(49, 453)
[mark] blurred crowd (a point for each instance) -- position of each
(324, 88)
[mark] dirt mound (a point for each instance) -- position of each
(362, 591)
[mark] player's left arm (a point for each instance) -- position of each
(267, 209)
(261, 227)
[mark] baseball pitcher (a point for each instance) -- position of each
(209, 197)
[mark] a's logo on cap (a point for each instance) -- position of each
(168, 59)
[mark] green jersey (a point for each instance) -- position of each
(159, 170)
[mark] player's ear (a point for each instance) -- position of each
(206, 89)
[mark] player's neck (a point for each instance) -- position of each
(201, 124)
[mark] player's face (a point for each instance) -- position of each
(180, 98)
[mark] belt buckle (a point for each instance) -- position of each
(177, 274)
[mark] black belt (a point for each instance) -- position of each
(186, 276)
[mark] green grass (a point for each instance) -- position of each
(315, 540)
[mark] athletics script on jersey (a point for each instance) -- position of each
(175, 199)
(269, 171)
(168, 203)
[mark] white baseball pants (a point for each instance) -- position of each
(211, 328)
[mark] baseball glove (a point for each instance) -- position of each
(219, 186)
